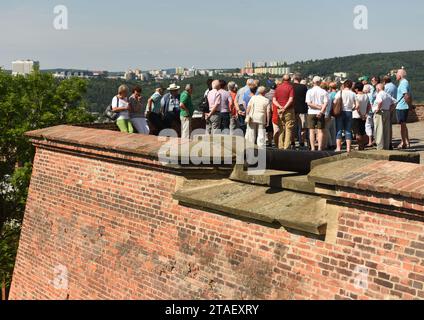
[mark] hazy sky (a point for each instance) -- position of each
(116, 35)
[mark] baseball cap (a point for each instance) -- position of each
(316, 79)
(364, 78)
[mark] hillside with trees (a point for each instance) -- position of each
(370, 64)
(100, 91)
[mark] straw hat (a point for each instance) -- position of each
(173, 87)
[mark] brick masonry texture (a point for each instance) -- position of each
(113, 231)
(417, 114)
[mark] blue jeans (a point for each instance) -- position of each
(344, 123)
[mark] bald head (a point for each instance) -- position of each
(216, 85)
(286, 77)
(401, 74)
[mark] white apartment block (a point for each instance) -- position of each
(24, 67)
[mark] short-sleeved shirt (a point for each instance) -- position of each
(240, 95)
(248, 94)
(225, 101)
(363, 101)
(402, 90)
(123, 103)
(156, 98)
(300, 105)
(214, 98)
(331, 97)
(185, 99)
(138, 107)
(283, 93)
(391, 89)
(371, 92)
(349, 99)
(317, 96)
(386, 99)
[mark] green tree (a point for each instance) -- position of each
(28, 103)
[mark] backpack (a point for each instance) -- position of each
(110, 114)
(204, 105)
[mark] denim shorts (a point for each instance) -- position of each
(402, 116)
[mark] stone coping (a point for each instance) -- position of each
(378, 155)
(275, 179)
(140, 145)
(304, 213)
(383, 177)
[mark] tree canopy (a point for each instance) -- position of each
(28, 103)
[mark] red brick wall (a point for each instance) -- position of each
(114, 229)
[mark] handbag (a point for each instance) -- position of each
(110, 114)
(250, 115)
(338, 106)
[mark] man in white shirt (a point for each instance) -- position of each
(383, 105)
(317, 100)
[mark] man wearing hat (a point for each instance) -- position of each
(170, 108)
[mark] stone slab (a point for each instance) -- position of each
(275, 179)
(305, 213)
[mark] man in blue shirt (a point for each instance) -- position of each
(390, 87)
(402, 108)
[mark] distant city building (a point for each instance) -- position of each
(130, 75)
(179, 71)
(24, 67)
(340, 74)
(263, 68)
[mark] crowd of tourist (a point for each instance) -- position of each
(324, 116)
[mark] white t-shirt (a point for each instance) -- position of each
(123, 103)
(387, 100)
(349, 98)
(363, 101)
(318, 96)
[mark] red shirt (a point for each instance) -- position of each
(283, 93)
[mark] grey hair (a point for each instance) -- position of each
(261, 90)
(189, 86)
(250, 82)
(231, 85)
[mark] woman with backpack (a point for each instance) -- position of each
(121, 106)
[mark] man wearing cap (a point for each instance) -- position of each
(170, 105)
(317, 100)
